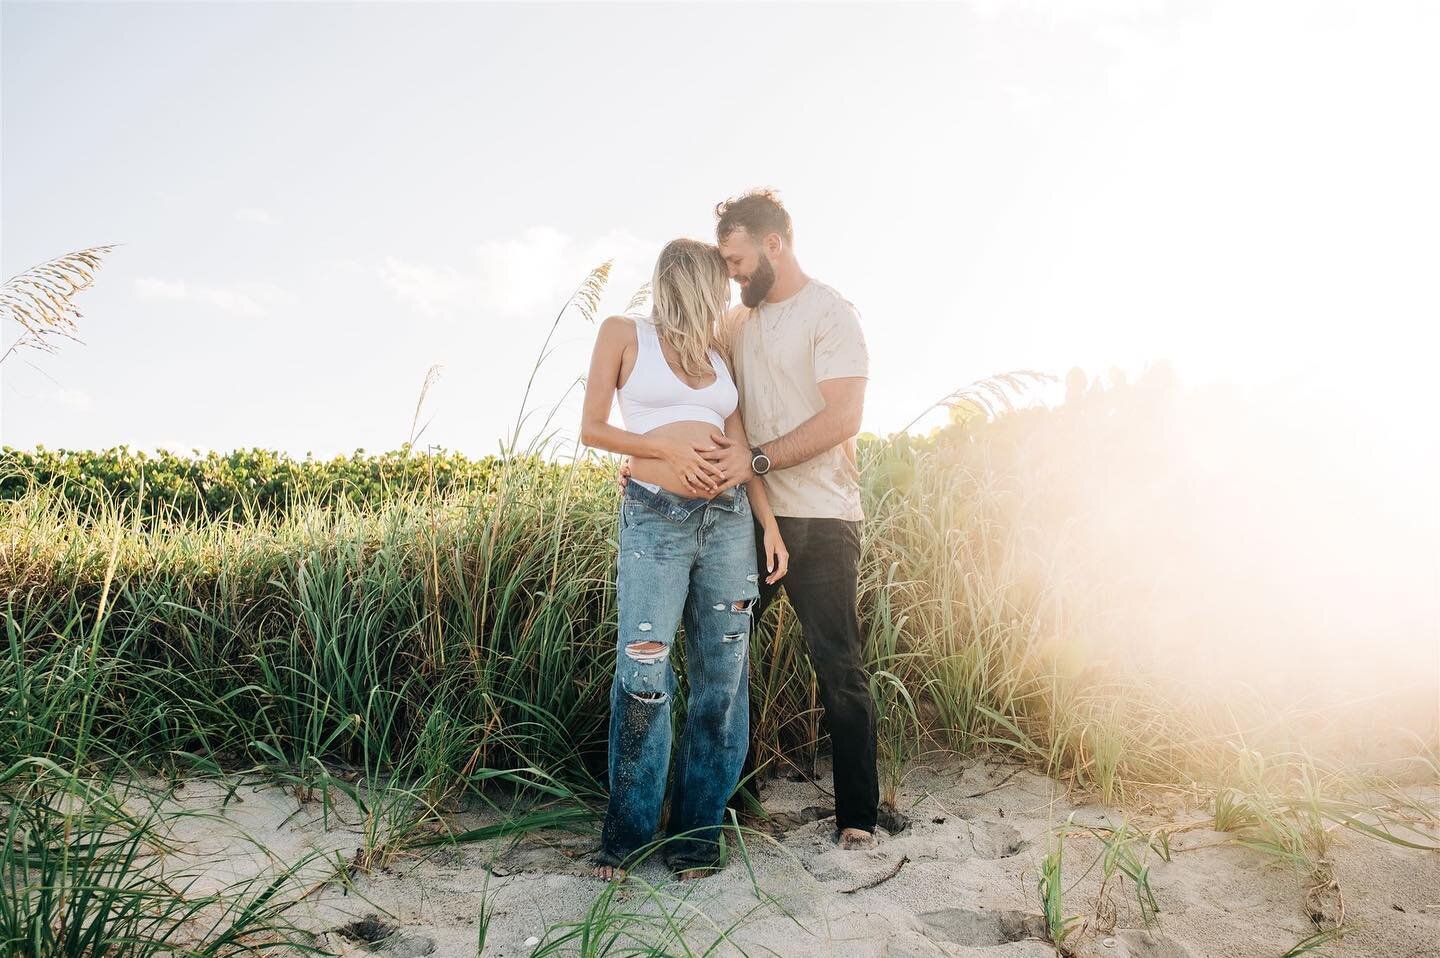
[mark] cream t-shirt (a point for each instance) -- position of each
(780, 353)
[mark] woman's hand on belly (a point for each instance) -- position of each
(680, 467)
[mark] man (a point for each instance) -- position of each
(801, 366)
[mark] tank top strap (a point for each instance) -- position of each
(646, 334)
(650, 350)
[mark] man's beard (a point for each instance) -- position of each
(754, 291)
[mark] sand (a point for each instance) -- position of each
(958, 880)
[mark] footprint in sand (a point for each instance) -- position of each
(549, 859)
(848, 866)
(376, 936)
(960, 839)
(994, 839)
(980, 928)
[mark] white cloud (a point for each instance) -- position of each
(253, 215)
(149, 287)
(250, 299)
(235, 301)
(432, 290)
(530, 274)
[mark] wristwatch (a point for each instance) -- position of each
(759, 462)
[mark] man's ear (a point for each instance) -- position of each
(773, 244)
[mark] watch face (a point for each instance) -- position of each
(761, 464)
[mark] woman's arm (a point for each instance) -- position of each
(776, 556)
(595, 429)
(616, 333)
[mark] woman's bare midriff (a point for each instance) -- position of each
(690, 432)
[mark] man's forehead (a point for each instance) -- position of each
(738, 241)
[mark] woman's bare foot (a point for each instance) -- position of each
(853, 838)
(609, 873)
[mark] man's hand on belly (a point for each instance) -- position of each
(733, 459)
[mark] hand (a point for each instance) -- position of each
(777, 559)
(733, 459)
(624, 474)
(701, 477)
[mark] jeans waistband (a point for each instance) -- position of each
(680, 507)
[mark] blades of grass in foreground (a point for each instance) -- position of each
(83, 876)
(1307, 945)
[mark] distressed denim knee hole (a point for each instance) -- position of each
(647, 651)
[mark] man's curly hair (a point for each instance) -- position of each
(759, 211)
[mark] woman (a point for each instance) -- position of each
(687, 551)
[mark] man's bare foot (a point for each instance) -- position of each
(853, 838)
(609, 873)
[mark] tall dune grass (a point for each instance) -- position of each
(1055, 583)
(469, 631)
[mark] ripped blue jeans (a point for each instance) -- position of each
(691, 560)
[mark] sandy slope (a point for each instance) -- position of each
(966, 886)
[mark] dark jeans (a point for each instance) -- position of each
(822, 583)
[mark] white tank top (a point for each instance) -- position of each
(653, 395)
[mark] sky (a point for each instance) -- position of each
(318, 202)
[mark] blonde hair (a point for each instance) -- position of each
(690, 292)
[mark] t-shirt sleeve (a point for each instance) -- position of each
(840, 344)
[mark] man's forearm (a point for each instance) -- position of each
(826, 429)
